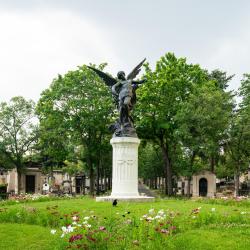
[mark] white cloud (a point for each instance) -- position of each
(36, 46)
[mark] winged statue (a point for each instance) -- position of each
(124, 94)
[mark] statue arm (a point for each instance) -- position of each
(114, 92)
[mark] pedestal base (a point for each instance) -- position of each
(126, 198)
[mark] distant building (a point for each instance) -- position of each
(32, 180)
(202, 184)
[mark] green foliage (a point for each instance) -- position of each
(75, 111)
(160, 99)
(17, 131)
(238, 144)
(203, 123)
(150, 161)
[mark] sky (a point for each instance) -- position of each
(41, 39)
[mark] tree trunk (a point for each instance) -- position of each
(109, 183)
(92, 181)
(105, 181)
(191, 172)
(189, 186)
(97, 180)
(83, 184)
(155, 182)
(18, 182)
(237, 183)
(168, 170)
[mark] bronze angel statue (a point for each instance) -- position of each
(124, 93)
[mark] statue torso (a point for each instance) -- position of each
(125, 89)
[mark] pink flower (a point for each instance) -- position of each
(75, 237)
(164, 231)
(102, 228)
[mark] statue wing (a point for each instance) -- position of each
(136, 70)
(109, 80)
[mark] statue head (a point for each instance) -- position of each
(121, 75)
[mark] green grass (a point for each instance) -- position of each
(27, 225)
(21, 236)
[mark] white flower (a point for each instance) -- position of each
(145, 216)
(62, 235)
(243, 212)
(193, 216)
(88, 225)
(199, 208)
(68, 229)
(151, 211)
(85, 222)
(74, 223)
(86, 218)
(158, 217)
(117, 213)
(74, 218)
(150, 218)
(17, 201)
(161, 212)
(213, 209)
(52, 231)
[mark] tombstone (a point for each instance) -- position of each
(45, 188)
(204, 184)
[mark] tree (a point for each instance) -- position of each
(238, 144)
(150, 163)
(159, 101)
(17, 131)
(203, 122)
(82, 103)
(220, 78)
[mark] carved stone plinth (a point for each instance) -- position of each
(125, 166)
(125, 171)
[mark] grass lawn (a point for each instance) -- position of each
(164, 224)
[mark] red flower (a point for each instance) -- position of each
(75, 237)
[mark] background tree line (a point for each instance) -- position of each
(185, 116)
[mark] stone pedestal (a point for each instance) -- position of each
(125, 171)
(125, 166)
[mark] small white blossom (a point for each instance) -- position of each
(213, 209)
(161, 212)
(158, 217)
(243, 212)
(193, 216)
(150, 218)
(88, 225)
(68, 229)
(86, 218)
(74, 218)
(151, 211)
(53, 231)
